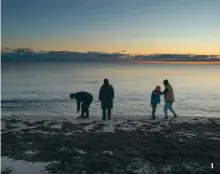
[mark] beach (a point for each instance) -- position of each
(133, 145)
(127, 60)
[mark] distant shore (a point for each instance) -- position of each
(121, 145)
(178, 62)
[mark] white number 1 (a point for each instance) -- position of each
(212, 165)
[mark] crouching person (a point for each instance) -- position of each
(84, 99)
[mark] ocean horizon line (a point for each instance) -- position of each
(26, 54)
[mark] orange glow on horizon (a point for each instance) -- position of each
(113, 47)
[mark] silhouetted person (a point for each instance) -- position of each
(168, 98)
(85, 99)
(106, 96)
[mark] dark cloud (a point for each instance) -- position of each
(27, 54)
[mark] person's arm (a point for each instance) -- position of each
(78, 105)
(100, 94)
(113, 93)
(164, 91)
(151, 98)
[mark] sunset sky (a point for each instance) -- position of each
(136, 26)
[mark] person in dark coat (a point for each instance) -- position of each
(85, 99)
(106, 96)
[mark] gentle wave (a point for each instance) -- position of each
(16, 101)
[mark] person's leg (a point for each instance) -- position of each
(165, 110)
(109, 114)
(87, 113)
(87, 109)
(104, 114)
(154, 107)
(170, 107)
(82, 110)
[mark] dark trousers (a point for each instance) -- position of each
(85, 109)
(154, 108)
(104, 114)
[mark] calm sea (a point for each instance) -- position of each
(43, 88)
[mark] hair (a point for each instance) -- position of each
(166, 82)
(106, 82)
(72, 95)
(158, 88)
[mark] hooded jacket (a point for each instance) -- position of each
(155, 97)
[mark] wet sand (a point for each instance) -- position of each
(120, 146)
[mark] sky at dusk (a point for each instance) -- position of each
(136, 26)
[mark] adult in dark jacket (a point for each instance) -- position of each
(85, 99)
(106, 96)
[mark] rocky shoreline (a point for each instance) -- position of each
(120, 146)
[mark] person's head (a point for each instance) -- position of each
(157, 88)
(106, 82)
(72, 96)
(166, 82)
